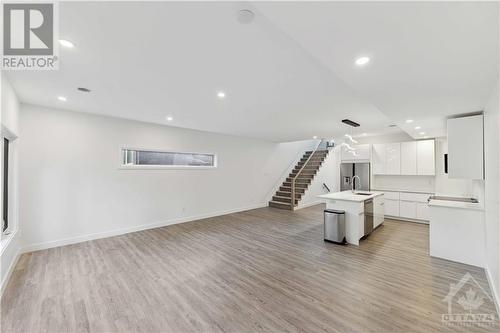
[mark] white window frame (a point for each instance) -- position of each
(163, 167)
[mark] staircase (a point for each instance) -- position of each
(282, 198)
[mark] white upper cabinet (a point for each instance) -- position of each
(465, 147)
(362, 153)
(409, 158)
(405, 158)
(426, 162)
(378, 159)
(345, 154)
(393, 158)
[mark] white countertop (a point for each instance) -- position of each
(349, 196)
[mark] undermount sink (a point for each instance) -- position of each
(362, 193)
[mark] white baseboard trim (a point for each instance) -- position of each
(122, 231)
(406, 219)
(309, 204)
(494, 290)
(10, 270)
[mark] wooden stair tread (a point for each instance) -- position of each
(308, 165)
(280, 205)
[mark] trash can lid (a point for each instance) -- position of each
(334, 211)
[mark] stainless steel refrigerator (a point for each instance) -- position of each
(349, 170)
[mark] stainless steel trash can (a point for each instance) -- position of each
(334, 226)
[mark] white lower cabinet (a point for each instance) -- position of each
(422, 211)
(391, 207)
(378, 211)
(408, 209)
(407, 205)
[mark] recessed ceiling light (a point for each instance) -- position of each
(221, 94)
(364, 134)
(315, 137)
(409, 121)
(62, 98)
(417, 127)
(422, 133)
(66, 43)
(362, 61)
(170, 118)
(245, 16)
(426, 137)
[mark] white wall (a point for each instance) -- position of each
(71, 188)
(10, 244)
(492, 188)
(404, 183)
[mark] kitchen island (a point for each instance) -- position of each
(457, 230)
(353, 203)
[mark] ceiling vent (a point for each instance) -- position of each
(83, 89)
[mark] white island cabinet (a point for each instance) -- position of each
(354, 206)
(457, 231)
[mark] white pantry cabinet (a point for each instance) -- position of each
(409, 158)
(465, 147)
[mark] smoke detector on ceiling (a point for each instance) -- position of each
(245, 16)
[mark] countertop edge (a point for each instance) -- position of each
(361, 199)
(458, 205)
(404, 191)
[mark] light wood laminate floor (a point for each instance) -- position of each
(261, 270)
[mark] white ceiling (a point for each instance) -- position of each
(429, 59)
(288, 75)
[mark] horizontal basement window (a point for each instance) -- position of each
(141, 158)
